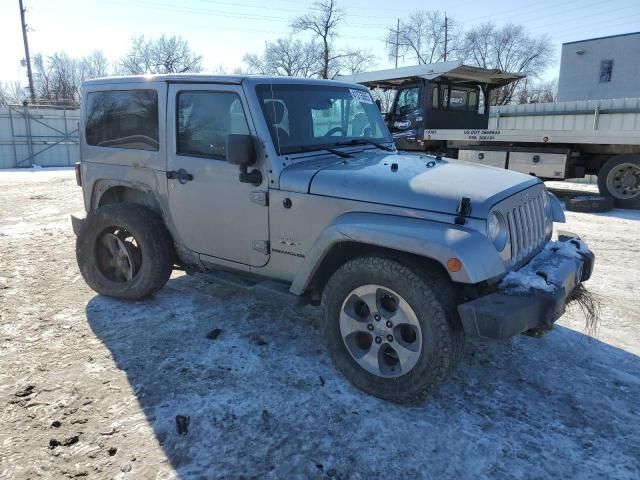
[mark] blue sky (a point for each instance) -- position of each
(223, 30)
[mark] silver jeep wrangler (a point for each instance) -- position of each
(297, 182)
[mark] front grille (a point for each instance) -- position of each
(529, 227)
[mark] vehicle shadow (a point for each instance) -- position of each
(265, 402)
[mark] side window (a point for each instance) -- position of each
(123, 119)
(435, 98)
(473, 100)
(204, 121)
(407, 100)
(457, 99)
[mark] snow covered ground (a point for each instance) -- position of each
(106, 379)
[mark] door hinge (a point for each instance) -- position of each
(260, 197)
(261, 246)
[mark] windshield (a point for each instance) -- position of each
(303, 117)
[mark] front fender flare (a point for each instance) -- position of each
(557, 212)
(438, 241)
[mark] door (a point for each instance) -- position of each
(214, 213)
(406, 117)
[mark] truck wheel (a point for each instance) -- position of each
(619, 178)
(124, 251)
(388, 328)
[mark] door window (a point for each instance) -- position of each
(205, 119)
(407, 100)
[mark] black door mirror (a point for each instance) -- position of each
(378, 104)
(242, 150)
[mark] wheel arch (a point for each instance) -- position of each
(418, 242)
(105, 193)
(342, 252)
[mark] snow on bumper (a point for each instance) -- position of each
(532, 297)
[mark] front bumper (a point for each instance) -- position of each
(533, 297)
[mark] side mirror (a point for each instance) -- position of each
(242, 150)
(379, 104)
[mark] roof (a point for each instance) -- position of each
(602, 38)
(454, 71)
(208, 78)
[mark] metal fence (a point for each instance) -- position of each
(40, 135)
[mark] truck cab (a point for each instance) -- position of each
(446, 95)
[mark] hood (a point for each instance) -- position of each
(419, 181)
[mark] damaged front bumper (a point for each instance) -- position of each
(533, 297)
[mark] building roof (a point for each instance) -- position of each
(602, 38)
(454, 70)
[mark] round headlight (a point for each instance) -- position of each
(497, 230)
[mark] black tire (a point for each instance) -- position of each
(604, 188)
(432, 297)
(153, 255)
(590, 203)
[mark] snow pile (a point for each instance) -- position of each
(540, 272)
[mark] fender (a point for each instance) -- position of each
(98, 178)
(438, 241)
(557, 212)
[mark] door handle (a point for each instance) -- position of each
(181, 175)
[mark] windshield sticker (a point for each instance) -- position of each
(361, 96)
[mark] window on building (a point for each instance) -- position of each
(205, 119)
(123, 119)
(606, 69)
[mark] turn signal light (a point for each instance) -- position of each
(454, 265)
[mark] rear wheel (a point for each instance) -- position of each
(388, 328)
(124, 251)
(619, 178)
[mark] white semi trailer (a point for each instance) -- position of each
(556, 141)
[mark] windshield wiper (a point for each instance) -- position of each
(366, 141)
(330, 150)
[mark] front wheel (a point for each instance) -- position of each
(619, 178)
(388, 328)
(124, 251)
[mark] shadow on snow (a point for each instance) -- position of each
(264, 400)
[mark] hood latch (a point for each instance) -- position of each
(463, 210)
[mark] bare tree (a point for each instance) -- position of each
(323, 21)
(426, 36)
(57, 78)
(95, 65)
(287, 57)
(537, 92)
(354, 61)
(162, 55)
(509, 49)
(12, 93)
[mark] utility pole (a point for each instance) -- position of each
(446, 35)
(396, 44)
(26, 53)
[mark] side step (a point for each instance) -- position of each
(271, 290)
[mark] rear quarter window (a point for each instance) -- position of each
(123, 119)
